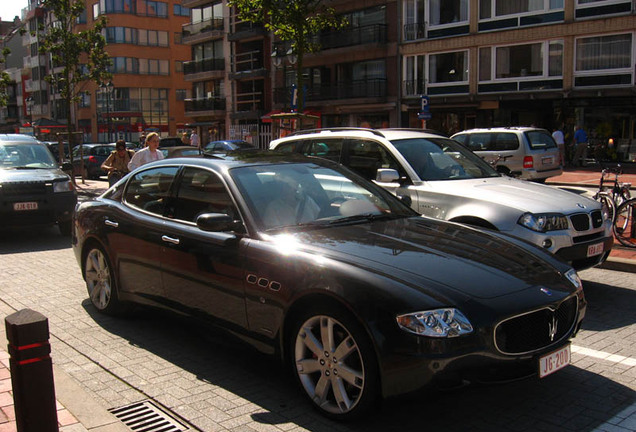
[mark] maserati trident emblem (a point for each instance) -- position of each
(552, 328)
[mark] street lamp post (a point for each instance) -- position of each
(107, 89)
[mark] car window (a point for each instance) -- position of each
(25, 156)
(540, 140)
(201, 191)
(289, 146)
(505, 141)
(328, 149)
(366, 157)
(442, 159)
(149, 190)
(478, 141)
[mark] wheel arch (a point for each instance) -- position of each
(474, 221)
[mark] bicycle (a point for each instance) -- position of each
(611, 192)
(624, 226)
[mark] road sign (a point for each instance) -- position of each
(424, 116)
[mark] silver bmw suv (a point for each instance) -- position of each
(443, 179)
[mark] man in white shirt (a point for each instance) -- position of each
(559, 138)
(148, 153)
(194, 139)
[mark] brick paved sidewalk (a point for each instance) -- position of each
(65, 420)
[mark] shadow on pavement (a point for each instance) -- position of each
(573, 399)
(32, 239)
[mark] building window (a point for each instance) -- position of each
(85, 100)
(447, 12)
(604, 52)
(448, 67)
(181, 94)
(414, 75)
(516, 62)
(515, 7)
(131, 65)
(179, 10)
(178, 66)
(153, 8)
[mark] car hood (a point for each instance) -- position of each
(523, 195)
(424, 252)
(31, 175)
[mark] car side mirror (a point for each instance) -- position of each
(387, 175)
(406, 199)
(216, 222)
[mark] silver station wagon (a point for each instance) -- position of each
(443, 179)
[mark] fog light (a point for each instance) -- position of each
(547, 243)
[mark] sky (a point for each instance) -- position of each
(11, 8)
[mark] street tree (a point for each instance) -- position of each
(5, 78)
(297, 22)
(80, 54)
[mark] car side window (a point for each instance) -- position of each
(365, 157)
(201, 191)
(149, 190)
(329, 149)
(479, 142)
(289, 146)
(505, 141)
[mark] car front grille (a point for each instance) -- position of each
(535, 330)
(583, 221)
(23, 189)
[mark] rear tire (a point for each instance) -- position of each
(334, 363)
(101, 282)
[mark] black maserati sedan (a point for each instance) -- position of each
(361, 296)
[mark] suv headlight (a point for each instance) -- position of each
(544, 222)
(63, 186)
(446, 322)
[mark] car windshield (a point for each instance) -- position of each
(306, 194)
(540, 140)
(25, 156)
(442, 159)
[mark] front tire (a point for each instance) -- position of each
(334, 363)
(100, 282)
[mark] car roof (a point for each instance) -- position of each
(502, 129)
(389, 133)
(18, 138)
(243, 158)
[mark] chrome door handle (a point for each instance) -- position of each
(110, 223)
(170, 239)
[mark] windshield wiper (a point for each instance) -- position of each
(364, 217)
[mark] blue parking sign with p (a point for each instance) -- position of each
(425, 102)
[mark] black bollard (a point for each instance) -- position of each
(31, 371)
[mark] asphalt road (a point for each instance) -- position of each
(212, 382)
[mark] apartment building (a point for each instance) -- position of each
(147, 91)
(510, 62)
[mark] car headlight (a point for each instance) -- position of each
(63, 186)
(573, 277)
(544, 222)
(446, 322)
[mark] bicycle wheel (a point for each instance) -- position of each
(607, 204)
(624, 226)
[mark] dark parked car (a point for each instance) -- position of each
(33, 189)
(180, 151)
(170, 142)
(227, 145)
(363, 296)
(93, 155)
(54, 148)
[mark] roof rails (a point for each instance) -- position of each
(377, 132)
(337, 129)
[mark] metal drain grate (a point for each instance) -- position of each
(147, 417)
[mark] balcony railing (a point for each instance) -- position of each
(346, 90)
(205, 104)
(375, 33)
(252, 101)
(247, 61)
(202, 27)
(205, 65)
(414, 31)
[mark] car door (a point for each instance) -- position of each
(134, 233)
(202, 271)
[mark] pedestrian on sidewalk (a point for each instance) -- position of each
(559, 139)
(194, 139)
(116, 165)
(148, 153)
(580, 146)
